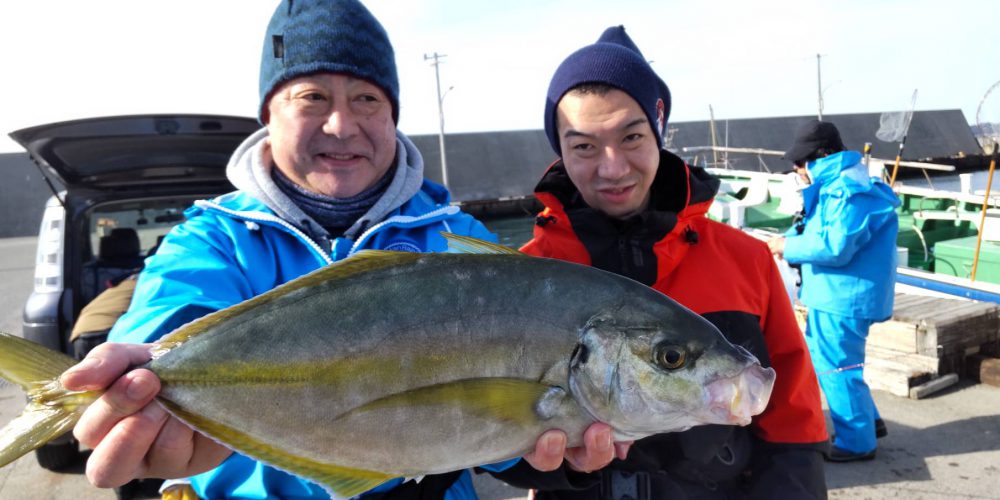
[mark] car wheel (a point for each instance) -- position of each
(139, 488)
(58, 456)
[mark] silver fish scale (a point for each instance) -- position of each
(393, 369)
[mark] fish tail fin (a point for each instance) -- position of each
(52, 410)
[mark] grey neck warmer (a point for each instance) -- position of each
(333, 214)
(248, 171)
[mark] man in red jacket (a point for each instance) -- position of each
(618, 201)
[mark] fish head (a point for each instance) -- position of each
(646, 379)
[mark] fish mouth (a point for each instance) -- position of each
(736, 400)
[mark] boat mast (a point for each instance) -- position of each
(819, 88)
(711, 126)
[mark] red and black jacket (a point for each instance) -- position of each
(730, 279)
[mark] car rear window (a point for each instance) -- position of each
(150, 219)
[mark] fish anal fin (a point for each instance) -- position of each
(346, 482)
(466, 244)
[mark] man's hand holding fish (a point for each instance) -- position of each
(124, 429)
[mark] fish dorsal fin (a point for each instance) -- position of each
(467, 244)
(361, 262)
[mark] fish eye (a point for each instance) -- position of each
(669, 357)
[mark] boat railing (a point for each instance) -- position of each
(915, 164)
(959, 196)
(725, 161)
(952, 285)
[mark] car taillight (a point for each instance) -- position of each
(49, 257)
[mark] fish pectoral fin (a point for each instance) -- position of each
(346, 482)
(466, 244)
(507, 399)
(553, 403)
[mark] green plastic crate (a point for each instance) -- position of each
(954, 258)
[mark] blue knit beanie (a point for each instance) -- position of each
(336, 36)
(616, 61)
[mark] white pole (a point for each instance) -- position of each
(437, 76)
(819, 87)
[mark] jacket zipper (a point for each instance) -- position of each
(623, 256)
(263, 217)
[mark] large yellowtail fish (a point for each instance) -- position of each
(391, 364)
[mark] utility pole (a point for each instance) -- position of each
(715, 141)
(819, 86)
(437, 76)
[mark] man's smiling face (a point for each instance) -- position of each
(332, 134)
(609, 150)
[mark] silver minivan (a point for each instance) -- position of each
(126, 181)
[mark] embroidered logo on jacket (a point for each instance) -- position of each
(403, 246)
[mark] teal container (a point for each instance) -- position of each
(954, 258)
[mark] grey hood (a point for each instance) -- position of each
(249, 172)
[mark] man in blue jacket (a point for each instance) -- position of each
(329, 175)
(846, 245)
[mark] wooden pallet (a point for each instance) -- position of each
(928, 338)
(984, 369)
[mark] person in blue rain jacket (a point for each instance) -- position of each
(328, 175)
(846, 246)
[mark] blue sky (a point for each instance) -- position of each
(68, 59)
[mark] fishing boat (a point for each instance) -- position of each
(939, 239)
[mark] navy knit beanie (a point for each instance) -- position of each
(336, 36)
(616, 61)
